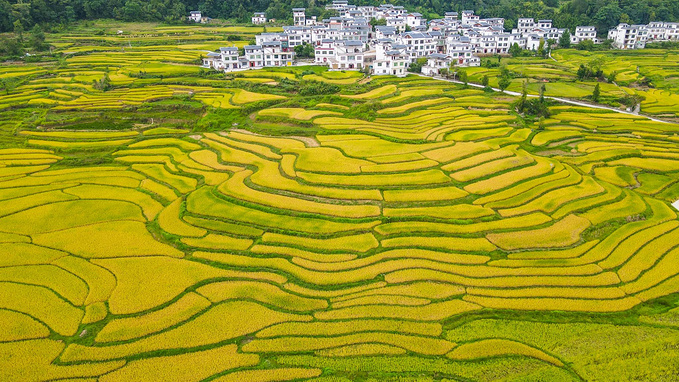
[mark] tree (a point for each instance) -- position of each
(521, 103)
(132, 11)
(541, 48)
(565, 40)
(504, 82)
(416, 66)
(9, 84)
(375, 22)
(11, 47)
(62, 63)
(5, 16)
(607, 16)
(304, 51)
(19, 30)
(585, 45)
(611, 77)
(484, 80)
(103, 84)
(515, 50)
(462, 75)
(596, 93)
(543, 89)
(37, 39)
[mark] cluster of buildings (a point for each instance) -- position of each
(349, 42)
(626, 36)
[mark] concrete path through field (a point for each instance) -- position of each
(563, 100)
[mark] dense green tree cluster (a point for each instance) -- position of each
(604, 14)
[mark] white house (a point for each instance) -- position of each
(383, 31)
(195, 16)
(627, 36)
(268, 54)
(544, 24)
(396, 21)
(259, 18)
(348, 55)
(338, 5)
(436, 62)
(469, 18)
(260, 39)
(662, 31)
(390, 60)
(324, 52)
(367, 11)
(341, 55)
(298, 35)
(415, 20)
(451, 16)
(463, 57)
(525, 25)
(299, 16)
(276, 55)
(419, 44)
(255, 56)
(225, 59)
(583, 33)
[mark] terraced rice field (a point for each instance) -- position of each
(443, 236)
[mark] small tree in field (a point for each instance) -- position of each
(504, 82)
(462, 75)
(485, 81)
(597, 93)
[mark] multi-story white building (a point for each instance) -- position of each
(383, 31)
(195, 16)
(225, 59)
(298, 35)
(415, 20)
(255, 56)
(528, 25)
(627, 36)
(451, 16)
(368, 12)
(348, 55)
(274, 54)
(583, 33)
(463, 57)
(324, 52)
(299, 16)
(662, 31)
(418, 44)
(260, 39)
(259, 18)
(525, 25)
(495, 22)
(544, 24)
(396, 21)
(390, 59)
(436, 62)
(340, 54)
(469, 18)
(338, 5)
(269, 54)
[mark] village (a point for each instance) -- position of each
(350, 42)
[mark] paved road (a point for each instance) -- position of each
(563, 100)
